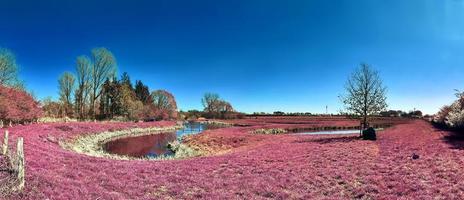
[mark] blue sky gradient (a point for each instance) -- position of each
(292, 56)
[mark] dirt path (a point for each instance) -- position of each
(437, 173)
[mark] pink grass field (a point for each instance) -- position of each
(255, 166)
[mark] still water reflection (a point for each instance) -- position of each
(152, 145)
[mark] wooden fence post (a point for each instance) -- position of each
(5, 144)
(20, 163)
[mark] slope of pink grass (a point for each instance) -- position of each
(257, 166)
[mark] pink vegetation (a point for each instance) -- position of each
(18, 106)
(256, 166)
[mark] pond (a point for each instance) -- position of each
(334, 132)
(331, 132)
(152, 145)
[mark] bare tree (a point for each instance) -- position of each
(365, 93)
(66, 86)
(83, 68)
(165, 104)
(8, 68)
(51, 108)
(225, 107)
(104, 67)
(216, 107)
(210, 102)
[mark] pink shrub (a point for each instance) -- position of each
(18, 106)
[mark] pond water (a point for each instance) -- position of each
(335, 132)
(331, 132)
(152, 145)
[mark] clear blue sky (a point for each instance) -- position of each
(259, 55)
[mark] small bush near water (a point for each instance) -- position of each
(270, 131)
(181, 150)
(369, 134)
(216, 124)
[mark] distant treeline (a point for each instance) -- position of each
(390, 113)
(280, 113)
(399, 113)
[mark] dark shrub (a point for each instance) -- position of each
(369, 134)
(64, 128)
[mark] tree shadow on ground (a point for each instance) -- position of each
(326, 140)
(455, 139)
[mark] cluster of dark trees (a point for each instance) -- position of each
(120, 99)
(95, 92)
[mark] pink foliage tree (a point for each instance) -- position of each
(18, 106)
